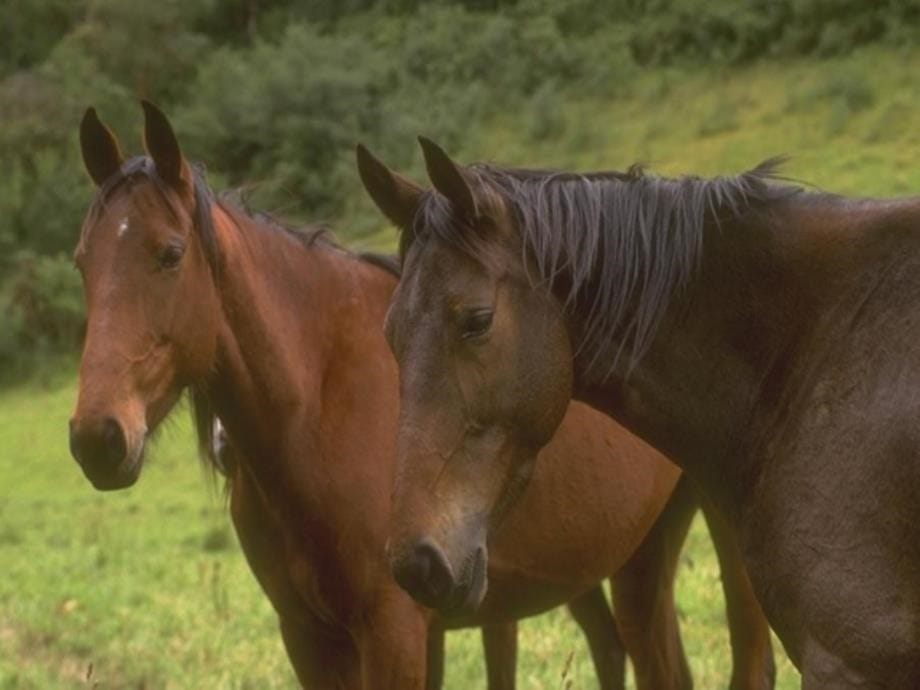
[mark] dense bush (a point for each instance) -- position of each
(44, 190)
(273, 96)
(44, 313)
(671, 30)
(280, 115)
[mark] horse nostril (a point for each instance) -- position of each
(114, 440)
(425, 573)
(100, 444)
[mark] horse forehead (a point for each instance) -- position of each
(436, 274)
(416, 289)
(125, 221)
(110, 218)
(112, 206)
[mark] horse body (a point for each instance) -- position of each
(841, 460)
(549, 549)
(279, 337)
(820, 479)
(287, 394)
(321, 464)
(763, 337)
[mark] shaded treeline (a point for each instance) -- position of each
(273, 95)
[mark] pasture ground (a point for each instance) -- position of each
(147, 588)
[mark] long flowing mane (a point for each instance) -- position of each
(234, 204)
(616, 245)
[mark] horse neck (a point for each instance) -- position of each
(293, 317)
(736, 352)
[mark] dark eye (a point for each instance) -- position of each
(476, 323)
(170, 256)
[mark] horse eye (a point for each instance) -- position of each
(171, 256)
(476, 323)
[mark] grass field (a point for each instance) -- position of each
(147, 589)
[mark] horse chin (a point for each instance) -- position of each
(471, 590)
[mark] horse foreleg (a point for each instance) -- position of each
(592, 613)
(434, 675)
(499, 642)
(393, 644)
(643, 595)
(322, 657)
(752, 653)
(321, 661)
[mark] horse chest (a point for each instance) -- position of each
(304, 571)
(325, 593)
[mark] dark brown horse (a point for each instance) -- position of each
(280, 336)
(763, 336)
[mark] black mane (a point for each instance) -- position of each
(389, 263)
(618, 245)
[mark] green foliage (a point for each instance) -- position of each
(44, 190)
(281, 116)
(451, 46)
(150, 48)
(273, 96)
(700, 30)
(545, 115)
(29, 29)
(43, 313)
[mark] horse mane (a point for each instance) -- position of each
(235, 204)
(616, 245)
(389, 263)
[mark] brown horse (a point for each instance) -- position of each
(280, 336)
(763, 336)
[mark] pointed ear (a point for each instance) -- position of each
(447, 177)
(162, 145)
(101, 153)
(396, 196)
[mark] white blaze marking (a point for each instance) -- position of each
(123, 227)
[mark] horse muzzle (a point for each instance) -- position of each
(424, 571)
(105, 452)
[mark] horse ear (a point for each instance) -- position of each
(447, 177)
(101, 153)
(162, 145)
(396, 196)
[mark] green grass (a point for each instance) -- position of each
(147, 587)
(846, 124)
(130, 583)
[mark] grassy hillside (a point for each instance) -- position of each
(846, 125)
(147, 587)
